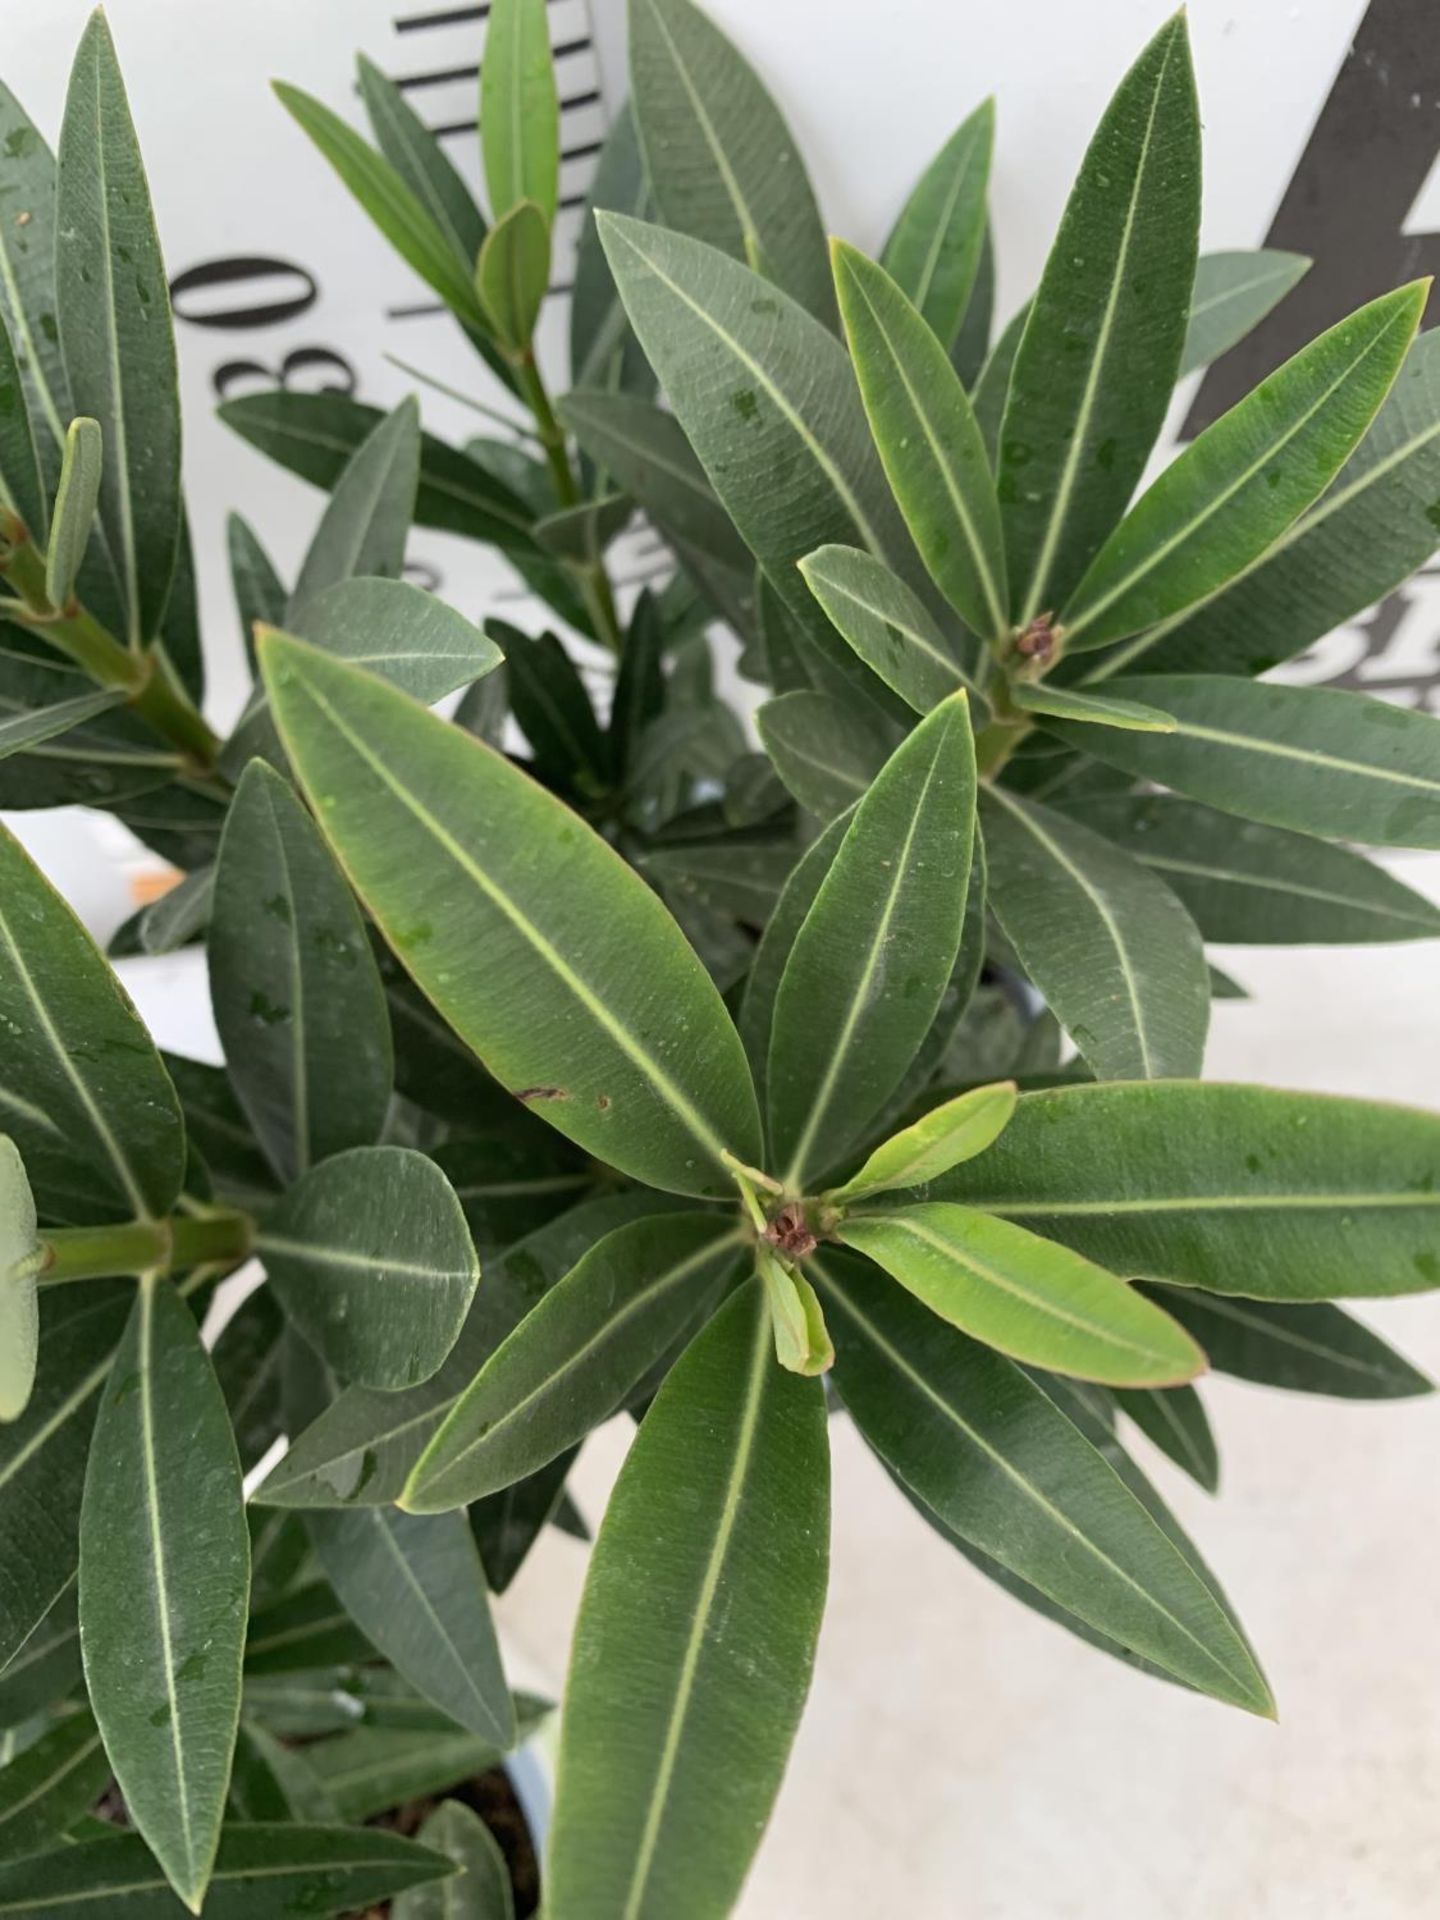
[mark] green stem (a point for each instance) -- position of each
(145, 1246)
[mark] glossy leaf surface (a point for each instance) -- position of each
(1313, 1348)
(519, 113)
(934, 249)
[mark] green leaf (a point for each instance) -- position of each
(82, 1089)
(1248, 885)
(259, 591)
(387, 198)
(23, 731)
(510, 1184)
(407, 636)
(47, 1666)
(1109, 946)
(483, 1890)
(371, 1258)
(364, 527)
(1284, 1196)
(373, 1769)
(1174, 1420)
(421, 162)
(934, 248)
(723, 166)
(1096, 710)
(43, 1453)
(802, 1340)
(75, 503)
(827, 753)
(22, 476)
(972, 342)
(992, 388)
(315, 434)
(888, 626)
(308, 1628)
(113, 313)
(797, 896)
(1102, 341)
(1233, 292)
(1002, 1466)
(574, 1358)
(164, 1585)
(260, 1868)
(1233, 492)
(247, 1359)
(1025, 1296)
(216, 1124)
(868, 967)
(760, 388)
(50, 1785)
(180, 915)
(507, 1525)
(21, 1255)
(420, 811)
(27, 286)
(581, 534)
(1342, 765)
(297, 999)
(603, 350)
(956, 1130)
(415, 1586)
(696, 1634)
(365, 1444)
(548, 699)
(519, 112)
(513, 273)
(1365, 536)
(925, 431)
(1313, 1348)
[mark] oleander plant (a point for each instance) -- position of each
(584, 1058)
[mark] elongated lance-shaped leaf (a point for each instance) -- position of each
(1283, 1196)
(868, 967)
(414, 1584)
(22, 475)
(1174, 1420)
(297, 999)
(418, 157)
(1115, 954)
(21, 1256)
(934, 248)
(43, 1454)
(723, 165)
(549, 700)
(113, 314)
(760, 387)
(27, 283)
(1342, 765)
(364, 527)
(262, 1866)
(825, 752)
(604, 353)
(1025, 1296)
(83, 1092)
(924, 429)
(999, 1462)
(1214, 511)
(80, 475)
(1233, 292)
(259, 591)
(574, 1358)
(513, 272)
(31, 728)
(972, 342)
(1366, 535)
(1248, 885)
(364, 1445)
(992, 388)
(46, 1668)
(371, 1257)
(1054, 702)
(956, 1130)
(888, 626)
(618, 1039)
(797, 896)
(165, 1585)
(696, 1634)
(47, 1789)
(388, 198)
(1314, 1348)
(1103, 339)
(519, 112)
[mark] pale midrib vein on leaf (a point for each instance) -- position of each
(941, 227)
(748, 227)
(421, 1594)
(1158, 555)
(149, 1282)
(693, 483)
(1225, 1308)
(369, 1263)
(14, 1808)
(155, 1883)
(1069, 471)
(129, 1184)
(837, 772)
(299, 1063)
(1267, 883)
(1032, 1492)
(522, 1189)
(289, 1636)
(9, 1098)
(821, 457)
(1102, 909)
(920, 640)
(1006, 1283)
(1179, 1432)
(540, 691)
(554, 1382)
(1011, 1206)
(648, 1067)
(67, 1407)
(942, 462)
(1236, 292)
(1309, 756)
(744, 1448)
(29, 1656)
(425, 190)
(116, 425)
(20, 324)
(859, 998)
